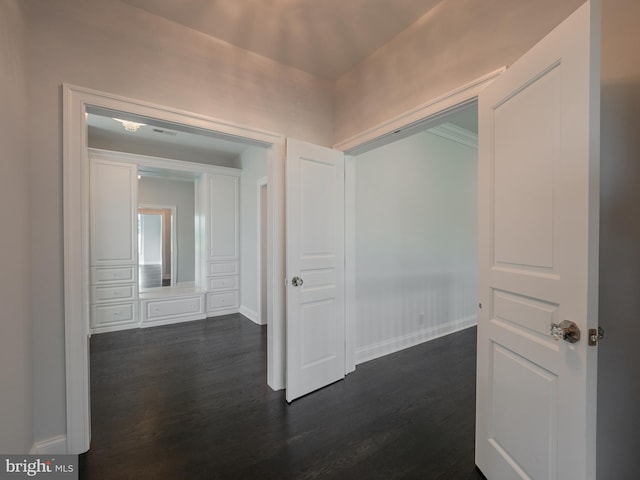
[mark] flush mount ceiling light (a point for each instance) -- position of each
(130, 126)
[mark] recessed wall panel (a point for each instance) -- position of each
(526, 312)
(223, 212)
(318, 205)
(526, 151)
(524, 400)
(318, 333)
(112, 204)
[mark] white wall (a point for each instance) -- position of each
(162, 191)
(455, 43)
(254, 167)
(416, 243)
(113, 47)
(618, 354)
(16, 350)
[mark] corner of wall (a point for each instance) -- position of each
(50, 446)
(250, 314)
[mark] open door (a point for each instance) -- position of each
(538, 267)
(315, 267)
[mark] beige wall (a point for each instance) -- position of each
(116, 48)
(16, 352)
(455, 43)
(619, 355)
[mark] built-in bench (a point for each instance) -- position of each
(164, 305)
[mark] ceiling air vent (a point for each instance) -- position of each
(165, 132)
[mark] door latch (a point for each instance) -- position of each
(595, 335)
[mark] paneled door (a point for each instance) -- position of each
(538, 285)
(315, 267)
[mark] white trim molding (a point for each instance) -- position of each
(417, 118)
(377, 350)
(350, 303)
(77, 101)
(50, 446)
(456, 134)
(261, 182)
(174, 166)
(250, 314)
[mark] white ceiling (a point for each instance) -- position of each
(102, 124)
(325, 38)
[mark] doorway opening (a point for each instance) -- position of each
(415, 234)
(79, 103)
(156, 246)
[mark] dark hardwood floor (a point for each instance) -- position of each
(190, 401)
(151, 276)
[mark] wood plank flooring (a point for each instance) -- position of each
(151, 276)
(190, 401)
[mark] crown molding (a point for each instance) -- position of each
(456, 134)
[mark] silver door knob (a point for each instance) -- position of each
(296, 281)
(565, 330)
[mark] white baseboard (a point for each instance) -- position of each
(387, 347)
(250, 314)
(50, 446)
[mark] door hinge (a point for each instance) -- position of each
(595, 335)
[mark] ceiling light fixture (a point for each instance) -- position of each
(130, 126)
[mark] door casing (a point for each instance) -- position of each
(76, 101)
(261, 240)
(402, 126)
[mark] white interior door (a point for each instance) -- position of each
(538, 151)
(315, 267)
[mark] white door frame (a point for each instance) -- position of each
(76, 100)
(406, 124)
(262, 182)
